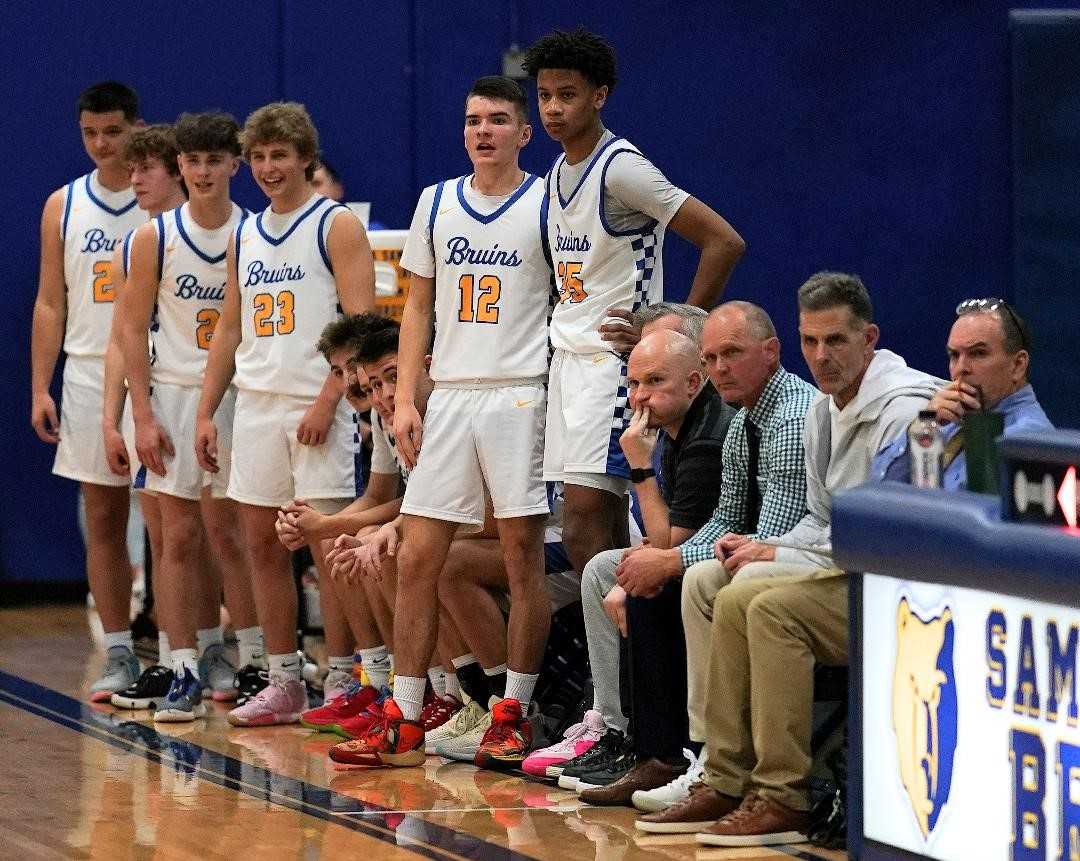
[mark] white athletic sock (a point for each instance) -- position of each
(453, 688)
(409, 695)
(285, 667)
(206, 637)
(164, 652)
(438, 679)
(376, 663)
(496, 671)
(249, 642)
(119, 638)
(519, 686)
(343, 664)
(464, 660)
(185, 659)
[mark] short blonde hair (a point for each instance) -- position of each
(287, 122)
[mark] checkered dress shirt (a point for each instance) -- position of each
(780, 413)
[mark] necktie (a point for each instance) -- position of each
(753, 491)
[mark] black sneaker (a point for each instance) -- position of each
(249, 681)
(147, 692)
(608, 771)
(608, 747)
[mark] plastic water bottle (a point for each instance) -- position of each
(927, 446)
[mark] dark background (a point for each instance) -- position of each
(876, 138)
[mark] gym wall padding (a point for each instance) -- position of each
(873, 138)
(1046, 199)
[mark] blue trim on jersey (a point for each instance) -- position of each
(160, 219)
(434, 209)
(67, 210)
(545, 204)
(647, 227)
(558, 185)
(526, 183)
(125, 253)
(108, 209)
(184, 235)
(236, 242)
(292, 227)
(322, 242)
(556, 559)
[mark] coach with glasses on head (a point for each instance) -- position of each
(989, 351)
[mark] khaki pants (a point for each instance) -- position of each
(767, 634)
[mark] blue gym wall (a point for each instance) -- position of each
(872, 138)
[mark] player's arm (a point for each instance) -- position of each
(416, 325)
(116, 453)
(720, 246)
(353, 264)
(220, 364)
(136, 304)
(50, 313)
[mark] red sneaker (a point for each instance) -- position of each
(439, 711)
(508, 740)
(393, 741)
(359, 725)
(353, 702)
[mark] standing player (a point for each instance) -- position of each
(290, 269)
(608, 213)
(81, 227)
(478, 263)
(176, 274)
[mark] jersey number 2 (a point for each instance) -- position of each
(103, 282)
(264, 314)
(207, 319)
(486, 309)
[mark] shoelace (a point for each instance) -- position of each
(693, 775)
(751, 806)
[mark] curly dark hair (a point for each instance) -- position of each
(380, 337)
(579, 50)
(209, 132)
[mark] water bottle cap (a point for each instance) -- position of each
(927, 414)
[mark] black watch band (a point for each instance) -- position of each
(639, 475)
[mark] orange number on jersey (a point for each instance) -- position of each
(286, 303)
(572, 289)
(264, 310)
(265, 303)
(207, 319)
(103, 282)
(487, 309)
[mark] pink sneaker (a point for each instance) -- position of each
(548, 761)
(281, 701)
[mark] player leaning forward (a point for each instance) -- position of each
(290, 269)
(477, 259)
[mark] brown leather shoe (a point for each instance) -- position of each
(759, 821)
(704, 806)
(645, 775)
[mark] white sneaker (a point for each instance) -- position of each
(463, 747)
(663, 797)
(464, 721)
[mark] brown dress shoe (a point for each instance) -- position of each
(759, 821)
(704, 806)
(645, 775)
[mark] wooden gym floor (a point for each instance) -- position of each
(83, 781)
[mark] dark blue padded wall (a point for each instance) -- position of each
(1046, 204)
(876, 141)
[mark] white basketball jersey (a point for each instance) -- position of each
(191, 267)
(94, 223)
(287, 296)
(597, 267)
(492, 285)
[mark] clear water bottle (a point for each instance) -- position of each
(927, 446)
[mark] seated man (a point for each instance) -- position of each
(988, 364)
(763, 490)
(772, 624)
(679, 412)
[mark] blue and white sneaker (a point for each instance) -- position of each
(217, 674)
(184, 700)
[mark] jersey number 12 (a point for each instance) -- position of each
(486, 307)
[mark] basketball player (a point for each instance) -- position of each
(177, 274)
(82, 225)
(290, 268)
(477, 260)
(151, 155)
(608, 213)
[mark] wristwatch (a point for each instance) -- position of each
(639, 475)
